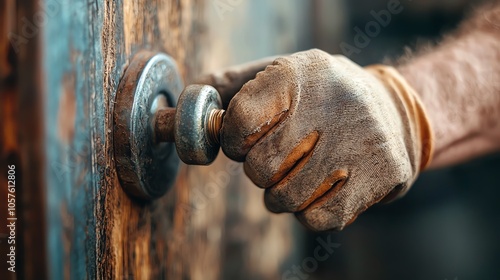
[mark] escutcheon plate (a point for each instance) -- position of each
(146, 169)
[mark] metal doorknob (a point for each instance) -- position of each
(150, 133)
(193, 126)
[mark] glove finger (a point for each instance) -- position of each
(230, 80)
(258, 107)
(281, 150)
(306, 183)
(339, 209)
(335, 211)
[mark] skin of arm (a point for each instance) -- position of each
(459, 84)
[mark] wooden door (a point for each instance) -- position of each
(77, 222)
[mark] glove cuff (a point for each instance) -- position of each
(419, 121)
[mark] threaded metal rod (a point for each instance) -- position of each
(214, 125)
(163, 125)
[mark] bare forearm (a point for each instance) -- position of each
(459, 84)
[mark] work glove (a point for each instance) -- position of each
(323, 136)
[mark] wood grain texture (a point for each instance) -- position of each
(82, 225)
(144, 241)
(97, 230)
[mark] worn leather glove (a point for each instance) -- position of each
(325, 138)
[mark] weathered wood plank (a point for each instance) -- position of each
(142, 239)
(9, 156)
(9, 142)
(30, 178)
(105, 233)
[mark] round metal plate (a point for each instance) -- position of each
(145, 169)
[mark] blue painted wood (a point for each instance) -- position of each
(94, 229)
(73, 71)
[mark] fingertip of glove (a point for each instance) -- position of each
(233, 131)
(230, 150)
(273, 203)
(319, 222)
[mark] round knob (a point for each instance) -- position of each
(198, 119)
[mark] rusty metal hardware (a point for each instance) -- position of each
(146, 124)
(146, 169)
(194, 126)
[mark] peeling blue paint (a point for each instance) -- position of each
(72, 46)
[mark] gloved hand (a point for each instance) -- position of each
(324, 137)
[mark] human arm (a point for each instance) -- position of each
(327, 139)
(459, 83)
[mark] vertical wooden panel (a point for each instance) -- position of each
(22, 135)
(8, 137)
(95, 229)
(9, 141)
(143, 241)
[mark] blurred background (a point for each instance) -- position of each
(446, 227)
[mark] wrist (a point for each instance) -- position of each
(415, 120)
(462, 125)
